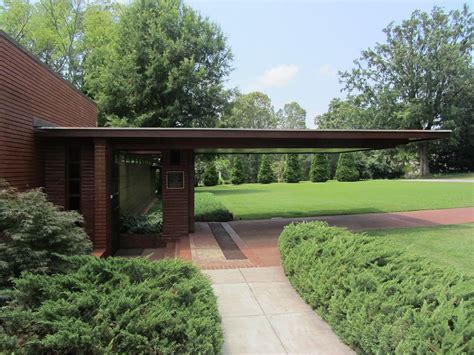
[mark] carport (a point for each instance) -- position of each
(80, 164)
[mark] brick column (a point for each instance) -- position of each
(102, 205)
(176, 202)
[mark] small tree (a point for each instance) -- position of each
(35, 234)
(319, 168)
(346, 168)
(238, 176)
(210, 177)
(265, 173)
(292, 173)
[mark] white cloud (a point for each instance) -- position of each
(328, 71)
(278, 76)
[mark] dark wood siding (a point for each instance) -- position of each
(28, 91)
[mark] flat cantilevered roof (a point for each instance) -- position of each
(236, 140)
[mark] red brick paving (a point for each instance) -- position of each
(258, 239)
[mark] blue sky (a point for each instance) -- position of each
(292, 50)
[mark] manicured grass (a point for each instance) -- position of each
(445, 245)
(256, 201)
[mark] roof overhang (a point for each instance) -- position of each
(223, 140)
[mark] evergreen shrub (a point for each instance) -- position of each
(265, 172)
(376, 297)
(210, 177)
(346, 168)
(291, 172)
(237, 173)
(320, 170)
(113, 306)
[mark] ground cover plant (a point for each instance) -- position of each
(35, 234)
(207, 208)
(254, 201)
(150, 223)
(376, 297)
(451, 245)
(113, 305)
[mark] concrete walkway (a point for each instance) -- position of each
(263, 314)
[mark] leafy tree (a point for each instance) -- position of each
(265, 173)
(292, 173)
(50, 29)
(457, 152)
(210, 177)
(35, 234)
(319, 168)
(238, 176)
(415, 77)
(346, 168)
(345, 114)
(292, 116)
(166, 68)
(71, 37)
(253, 110)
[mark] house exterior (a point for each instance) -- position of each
(49, 138)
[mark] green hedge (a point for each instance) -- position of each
(114, 305)
(207, 208)
(377, 298)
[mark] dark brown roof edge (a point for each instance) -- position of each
(37, 60)
(104, 132)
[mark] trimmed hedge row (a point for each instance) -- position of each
(377, 298)
(113, 305)
(207, 208)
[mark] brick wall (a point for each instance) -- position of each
(29, 90)
(54, 172)
(102, 190)
(137, 185)
(176, 203)
(88, 187)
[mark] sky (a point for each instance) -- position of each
(292, 50)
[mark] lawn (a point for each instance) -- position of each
(257, 201)
(445, 245)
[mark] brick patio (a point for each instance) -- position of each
(247, 244)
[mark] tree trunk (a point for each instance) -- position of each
(424, 158)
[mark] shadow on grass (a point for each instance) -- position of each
(301, 214)
(229, 191)
(333, 212)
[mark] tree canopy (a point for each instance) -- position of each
(292, 116)
(253, 110)
(413, 80)
(167, 68)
